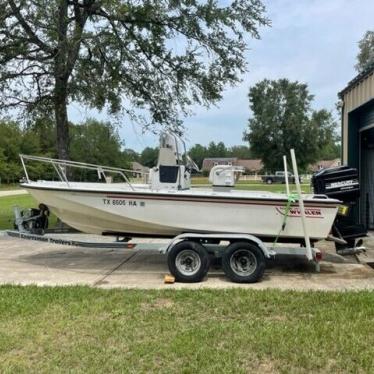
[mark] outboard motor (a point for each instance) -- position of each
(342, 183)
(32, 221)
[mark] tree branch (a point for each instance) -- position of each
(26, 27)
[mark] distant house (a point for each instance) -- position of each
(208, 163)
(139, 169)
(324, 164)
(250, 166)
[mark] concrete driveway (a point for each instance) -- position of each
(33, 262)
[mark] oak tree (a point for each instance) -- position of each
(282, 118)
(152, 59)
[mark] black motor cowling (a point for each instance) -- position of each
(342, 183)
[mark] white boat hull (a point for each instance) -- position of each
(146, 212)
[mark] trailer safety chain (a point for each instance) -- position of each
(291, 198)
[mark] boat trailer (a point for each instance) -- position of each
(189, 255)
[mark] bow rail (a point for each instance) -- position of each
(60, 167)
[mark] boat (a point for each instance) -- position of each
(165, 204)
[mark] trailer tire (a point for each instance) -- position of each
(188, 261)
(269, 181)
(243, 262)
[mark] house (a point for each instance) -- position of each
(254, 166)
(358, 138)
(324, 164)
(250, 166)
(208, 163)
(139, 169)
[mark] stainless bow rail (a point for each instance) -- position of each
(61, 165)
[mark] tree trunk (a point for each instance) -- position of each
(61, 117)
(61, 83)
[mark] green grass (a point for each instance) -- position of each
(81, 329)
(261, 187)
(205, 180)
(23, 201)
(253, 185)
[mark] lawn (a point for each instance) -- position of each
(23, 201)
(81, 329)
(6, 208)
(252, 185)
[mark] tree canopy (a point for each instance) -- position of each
(92, 141)
(152, 59)
(282, 119)
(198, 152)
(149, 157)
(365, 57)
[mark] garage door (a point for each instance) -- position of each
(367, 178)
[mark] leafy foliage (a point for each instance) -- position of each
(92, 142)
(198, 152)
(283, 119)
(97, 142)
(365, 57)
(149, 157)
(151, 56)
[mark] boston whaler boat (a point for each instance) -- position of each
(167, 206)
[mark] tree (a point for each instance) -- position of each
(240, 151)
(131, 155)
(149, 157)
(365, 57)
(97, 142)
(10, 148)
(283, 119)
(198, 152)
(105, 53)
(216, 150)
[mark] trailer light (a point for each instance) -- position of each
(318, 256)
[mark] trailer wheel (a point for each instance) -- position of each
(188, 261)
(243, 262)
(269, 181)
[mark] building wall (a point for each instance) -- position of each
(356, 96)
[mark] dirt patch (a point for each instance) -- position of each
(161, 303)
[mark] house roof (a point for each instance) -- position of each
(220, 159)
(136, 166)
(356, 80)
(252, 165)
(324, 164)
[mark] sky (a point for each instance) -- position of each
(311, 41)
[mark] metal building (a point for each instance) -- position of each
(358, 138)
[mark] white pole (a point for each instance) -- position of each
(308, 248)
(286, 174)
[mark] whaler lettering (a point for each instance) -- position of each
(295, 212)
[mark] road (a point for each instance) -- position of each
(12, 193)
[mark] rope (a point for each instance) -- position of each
(291, 198)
